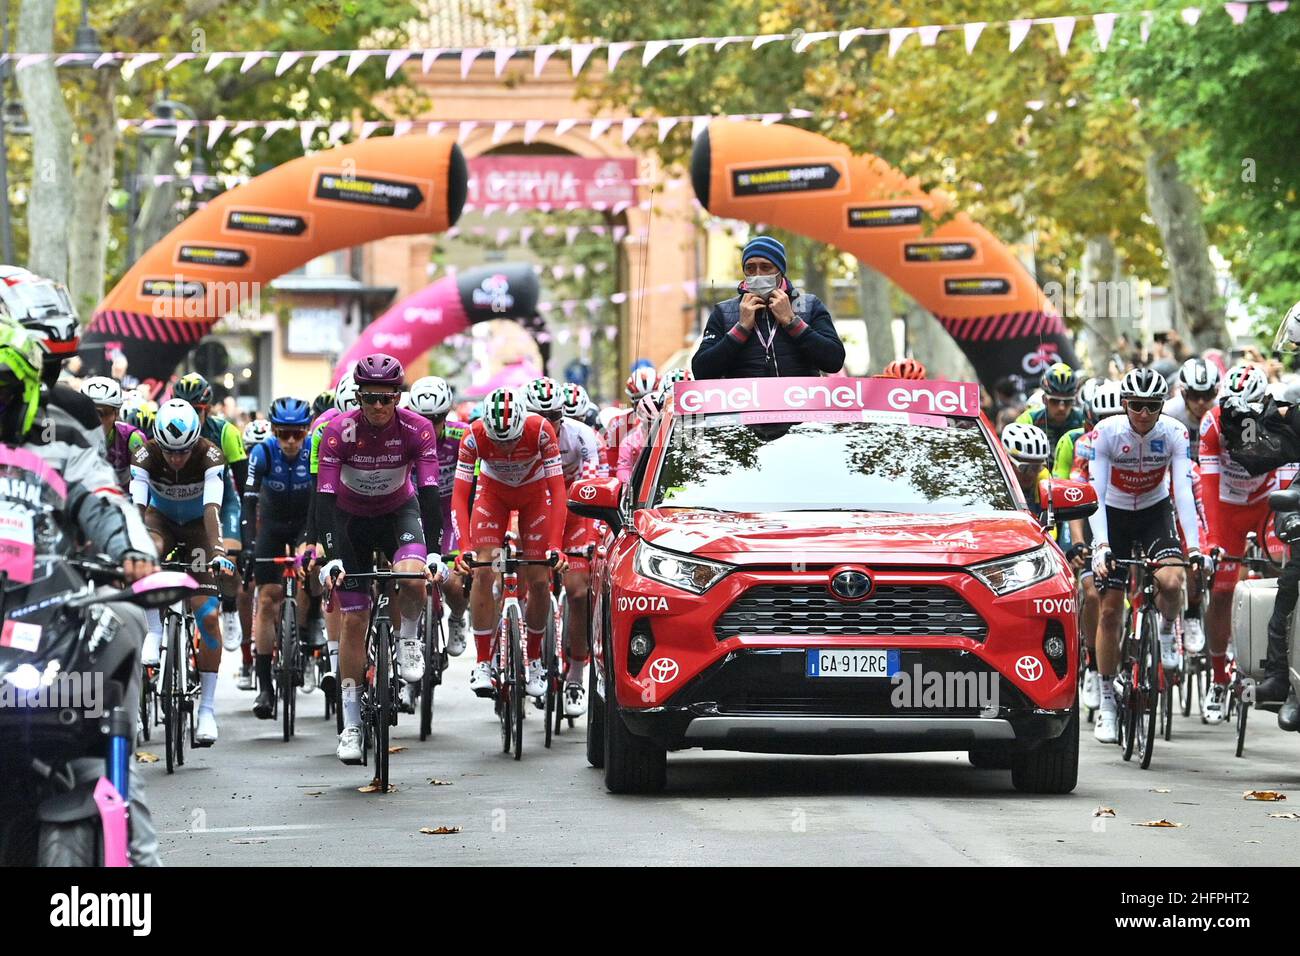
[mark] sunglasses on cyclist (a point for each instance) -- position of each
(290, 434)
(1147, 408)
(1209, 396)
(377, 398)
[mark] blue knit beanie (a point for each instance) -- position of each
(767, 247)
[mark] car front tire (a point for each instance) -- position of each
(1052, 766)
(633, 764)
(595, 720)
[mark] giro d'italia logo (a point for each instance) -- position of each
(494, 294)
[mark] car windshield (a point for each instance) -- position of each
(895, 466)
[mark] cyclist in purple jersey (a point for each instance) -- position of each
(432, 398)
(120, 439)
(371, 463)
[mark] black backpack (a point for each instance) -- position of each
(1258, 438)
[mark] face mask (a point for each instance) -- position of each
(762, 286)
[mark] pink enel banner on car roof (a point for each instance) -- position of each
(830, 394)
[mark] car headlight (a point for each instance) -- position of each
(1019, 571)
(677, 570)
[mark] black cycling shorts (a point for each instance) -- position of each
(1152, 528)
(398, 534)
(272, 539)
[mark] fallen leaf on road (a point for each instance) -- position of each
(373, 787)
(1103, 812)
(439, 831)
(314, 793)
(1158, 823)
(1253, 841)
(1161, 790)
(434, 781)
(395, 749)
(144, 756)
(1285, 816)
(1263, 795)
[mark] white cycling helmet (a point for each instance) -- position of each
(1026, 444)
(640, 383)
(1144, 383)
(544, 396)
(1248, 382)
(103, 391)
(504, 415)
(345, 396)
(431, 396)
(575, 400)
(256, 432)
(1106, 401)
(177, 425)
(1288, 333)
(404, 400)
(1198, 375)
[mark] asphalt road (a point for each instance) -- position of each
(254, 800)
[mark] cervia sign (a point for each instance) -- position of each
(827, 395)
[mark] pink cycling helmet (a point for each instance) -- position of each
(379, 369)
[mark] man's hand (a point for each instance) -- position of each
(222, 565)
(327, 578)
(560, 558)
(780, 307)
(749, 306)
(462, 563)
(1101, 558)
(137, 566)
(434, 567)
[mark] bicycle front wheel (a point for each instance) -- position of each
(290, 660)
(518, 684)
(551, 665)
(1148, 697)
(382, 697)
(171, 705)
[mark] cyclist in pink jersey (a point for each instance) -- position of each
(377, 490)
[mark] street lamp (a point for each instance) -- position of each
(86, 43)
(164, 111)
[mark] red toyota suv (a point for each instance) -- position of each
(830, 566)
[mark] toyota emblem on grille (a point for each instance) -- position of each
(851, 585)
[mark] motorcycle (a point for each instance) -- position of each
(67, 716)
(1252, 606)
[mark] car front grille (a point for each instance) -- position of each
(893, 610)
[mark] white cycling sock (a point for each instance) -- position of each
(1107, 692)
(334, 655)
(351, 705)
(232, 625)
(208, 700)
(153, 636)
(577, 672)
(409, 630)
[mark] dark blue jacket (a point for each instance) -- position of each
(809, 347)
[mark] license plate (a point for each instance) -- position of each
(852, 663)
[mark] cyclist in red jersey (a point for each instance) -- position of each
(639, 384)
(520, 472)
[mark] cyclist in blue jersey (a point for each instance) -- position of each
(279, 488)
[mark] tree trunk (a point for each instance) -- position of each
(1104, 307)
(49, 206)
(1176, 209)
(930, 344)
(88, 238)
(873, 297)
(157, 207)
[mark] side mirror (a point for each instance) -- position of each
(1063, 500)
(598, 498)
(1288, 500)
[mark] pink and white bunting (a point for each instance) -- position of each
(1104, 25)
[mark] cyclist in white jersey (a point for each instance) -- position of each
(579, 458)
(1138, 457)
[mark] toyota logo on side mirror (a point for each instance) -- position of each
(1073, 495)
(587, 492)
(851, 585)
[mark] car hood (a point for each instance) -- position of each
(875, 537)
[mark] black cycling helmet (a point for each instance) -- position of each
(324, 401)
(193, 388)
(1060, 381)
(290, 412)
